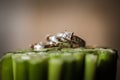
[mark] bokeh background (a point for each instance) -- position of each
(23, 22)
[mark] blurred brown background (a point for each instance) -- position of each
(28, 21)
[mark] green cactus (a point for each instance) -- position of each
(60, 64)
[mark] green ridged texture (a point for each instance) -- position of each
(20, 66)
(90, 66)
(36, 67)
(60, 64)
(68, 70)
(107, 65)
(6, 67)
(79, 65)
(55, 68)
